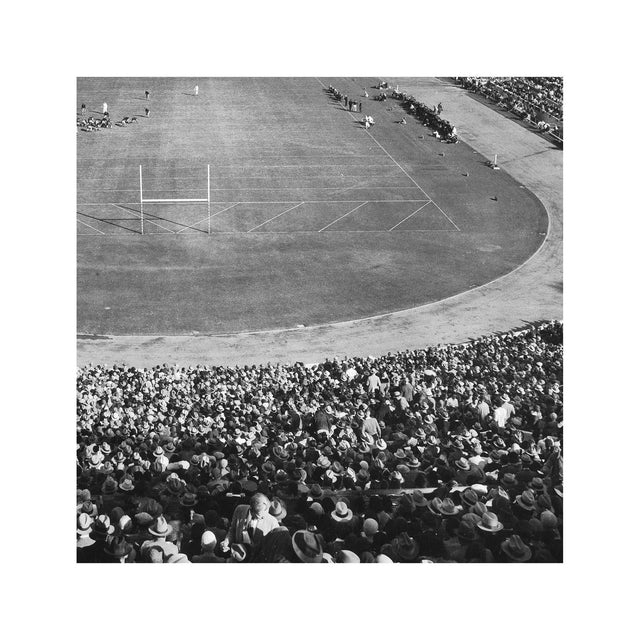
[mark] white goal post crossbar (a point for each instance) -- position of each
(176, 200)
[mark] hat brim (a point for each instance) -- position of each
(500, 527)
(525, 558)
(159, 534)
(346, 518)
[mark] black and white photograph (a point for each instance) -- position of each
(319, 320)
(284, 285)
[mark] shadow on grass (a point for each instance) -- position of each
(107, 221)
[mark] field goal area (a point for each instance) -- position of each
(179, 201)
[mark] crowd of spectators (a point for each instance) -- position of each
(428, 116)
(535, 100)
(445, 454)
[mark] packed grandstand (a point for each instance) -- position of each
(446, 454)
(537, 101)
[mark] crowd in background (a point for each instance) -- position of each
(535, 100)
(450, 453)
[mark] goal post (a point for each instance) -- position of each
(144, 200)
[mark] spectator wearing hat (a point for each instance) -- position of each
(84, 542)
(307, 547)
(158, 548)
(250, 523)
(514, 550)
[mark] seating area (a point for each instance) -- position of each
(447, 454)
(536, 101)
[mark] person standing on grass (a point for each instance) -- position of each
(359, 107)
(146, 95)
(146, 112)
(195, 90)
(105, 108)
(83, 109)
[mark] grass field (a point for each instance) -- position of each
(313, 219)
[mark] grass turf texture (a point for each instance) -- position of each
(310, 217)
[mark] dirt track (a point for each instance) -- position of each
(532, 292)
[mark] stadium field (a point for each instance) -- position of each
(313, 219)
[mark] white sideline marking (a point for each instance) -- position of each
(274, 217)
(90, 227)
(412, 214)
(344, 216)
(401, 169)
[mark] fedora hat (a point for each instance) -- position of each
(381, 444)
(536, 484)
(109, 486)
(89, 508)
(342, 513)
(548, 520)
(466, 531)
(509, 480)
(160, 528)
(158, 452)
(478, 508)
(316, 491)
(400, 454)
(447, 508)
(469, 497)
(117, 547)
(323, 462)
(413, 462)
(490, 523)
(189, 499)
(307, 546)
(434, 506)
(105, 448)
(405, 547)
(169, 447)
(278, 509)
(463, 464)
(126, 484)
(268, 467)
(526, 500)
(337, 468)
(514, 548)
(84, 524)
(101, 528)
(419, 499)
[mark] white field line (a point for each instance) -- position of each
(90, 227)
(147, 220)
(411, 214)
(401, 169)
(344, 216)
(105, 204)
(274, 217)
(392, 186)
(208, 218)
